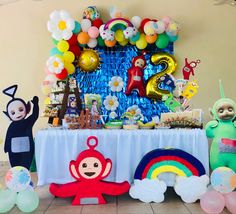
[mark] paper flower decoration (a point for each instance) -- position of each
(61, 25)
(55, 65)
(113, 115)
(116, 84)
(134, 110)
(111, 103)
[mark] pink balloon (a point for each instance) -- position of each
(166, 20)
(230, 201)
(93, 32)
(212, 202)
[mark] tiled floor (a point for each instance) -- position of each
(116, 205)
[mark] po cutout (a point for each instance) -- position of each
(89, 169)
(19, 142)
(223, 131)
(135, 76)
(189, 67)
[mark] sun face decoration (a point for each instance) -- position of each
(88, 60)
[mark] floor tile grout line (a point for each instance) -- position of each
(49, 205)
(81, 211)
(187, 208)
(152, 208)
(116, 204)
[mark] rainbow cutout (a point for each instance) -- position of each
(168, 160)
(118, 23)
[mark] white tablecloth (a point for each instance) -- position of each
(56, 148)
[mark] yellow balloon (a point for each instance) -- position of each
(119, 35)
(68, 56)
(132, 43)
(63, 46)
(69, 67)
(89, 60)
(152, 88)
(142, 37)
(124, 43)
(141, 44)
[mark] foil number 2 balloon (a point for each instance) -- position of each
(169, 65)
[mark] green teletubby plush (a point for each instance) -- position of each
(223, 131)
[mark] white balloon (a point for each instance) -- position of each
(92, 43)
(160, 28)
(149, 28)
(85, 25)
(136, 21)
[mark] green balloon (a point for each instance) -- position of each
(162, 41)
(101, 41)
(7, 200)
(27, 201)
(55, 41)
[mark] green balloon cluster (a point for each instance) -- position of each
(26, 201)
(7, 200)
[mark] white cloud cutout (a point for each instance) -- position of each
(190, 189)
(147, 190)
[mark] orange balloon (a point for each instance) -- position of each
(83, 38)
(151, 38)
(110, 43)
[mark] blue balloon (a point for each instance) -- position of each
(173, 38)
(135, 38)
(55, 51)
(77, 28)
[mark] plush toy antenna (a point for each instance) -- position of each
(222, 93)
(10, 91)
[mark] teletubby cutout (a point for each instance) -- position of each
(72, 110)
(223, 131)
(189, 68)
(135, 76)
(89, 169)
(19, 141)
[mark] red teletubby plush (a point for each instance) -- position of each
(189, 68)
(89, 169)
(135, 76)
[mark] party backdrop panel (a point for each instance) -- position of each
(116, 62)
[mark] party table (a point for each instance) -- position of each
(54, 149)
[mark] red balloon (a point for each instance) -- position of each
(62, 75)
(73, 40)
(75, 50)
(97, 23)
(144, 21)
